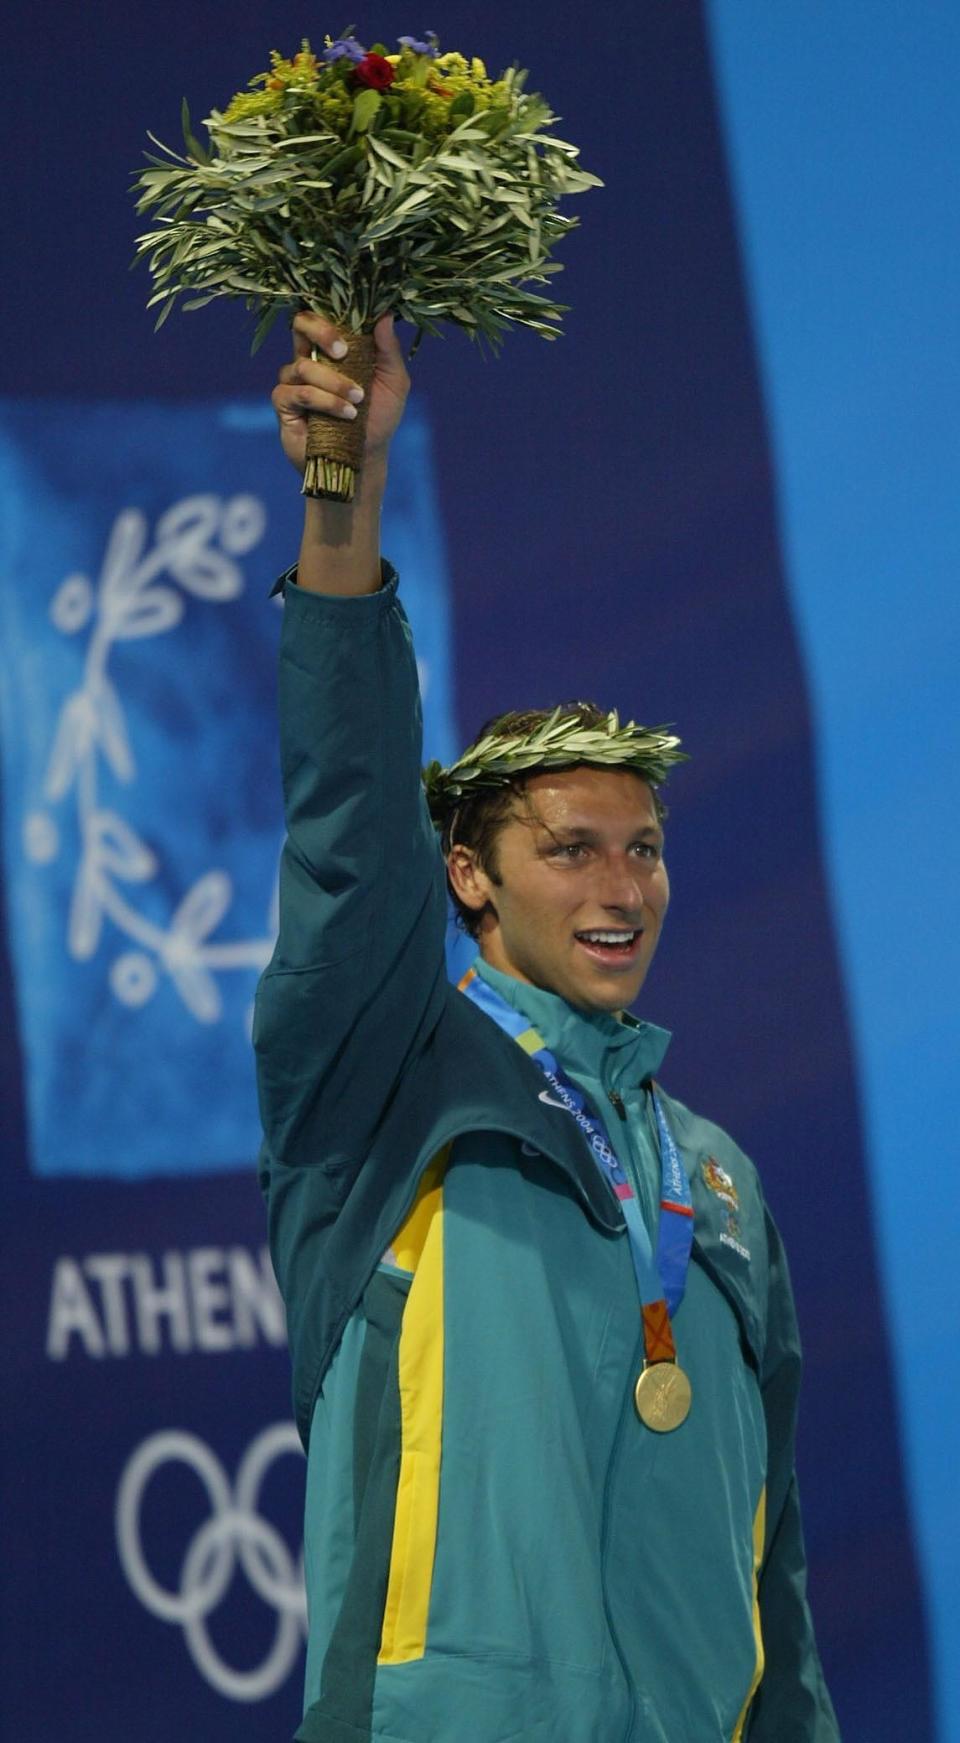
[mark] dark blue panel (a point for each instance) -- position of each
(82, 1655)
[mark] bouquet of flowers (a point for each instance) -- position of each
(355, 182)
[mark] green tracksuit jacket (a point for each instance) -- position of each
(497, 1549)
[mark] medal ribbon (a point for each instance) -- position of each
(661, 1278)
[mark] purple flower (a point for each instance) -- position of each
(430, 46)
(347, 48)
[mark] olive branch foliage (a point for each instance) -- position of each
(283, 210)
(560, 741)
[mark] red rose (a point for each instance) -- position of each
(375, 72)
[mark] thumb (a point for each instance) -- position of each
(389, 362)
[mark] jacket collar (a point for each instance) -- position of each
(619, 1054)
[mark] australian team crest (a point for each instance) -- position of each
(721, 1183)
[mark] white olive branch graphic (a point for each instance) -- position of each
(195, 544)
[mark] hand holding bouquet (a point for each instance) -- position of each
(357, 182)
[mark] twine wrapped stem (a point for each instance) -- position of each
(335, 445)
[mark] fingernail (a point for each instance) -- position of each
(355, 394)
(338, 348)
(349, 411)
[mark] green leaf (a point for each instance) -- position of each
(236, 281)
(492, 120)
(164, 312)
(269, 203)
(342, 162)
(365, 106)
(463, 106)
(192, 144)
(267, 317)
(461, 165)
(380, 148)
(165, 148)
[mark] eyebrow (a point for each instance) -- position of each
(590, 837)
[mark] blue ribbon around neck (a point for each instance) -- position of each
(660, 1276)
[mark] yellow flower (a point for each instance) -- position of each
(335, 105)
(300, 73)
(433, 88)
(247, 103)
(434, 117)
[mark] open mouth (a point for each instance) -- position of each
(615, 947)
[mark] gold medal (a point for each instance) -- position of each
(663, 1396)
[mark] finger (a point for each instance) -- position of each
(297, 399)
(311, 374)
(385, 337)
(315, 330)
(390, 360)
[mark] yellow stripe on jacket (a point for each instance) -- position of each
(418, 1247)
(759, 1531)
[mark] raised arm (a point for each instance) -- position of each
(340, 550)
(358, 972)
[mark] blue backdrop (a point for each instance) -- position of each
(722, 500)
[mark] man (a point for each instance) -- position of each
(544, 1348)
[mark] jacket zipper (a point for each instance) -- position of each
(633, 1164)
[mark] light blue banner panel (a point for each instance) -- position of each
(844, 137)
(141, 808)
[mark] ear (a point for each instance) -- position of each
(470, 882)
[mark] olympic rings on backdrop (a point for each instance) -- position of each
(234, 1534)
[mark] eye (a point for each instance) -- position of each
(647, 850)
(571, 851)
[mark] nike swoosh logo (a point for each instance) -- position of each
(529, 1149)
(552, 1102)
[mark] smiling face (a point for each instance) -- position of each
(576, 898)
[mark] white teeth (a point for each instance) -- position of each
(607, 937)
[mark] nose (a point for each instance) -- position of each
(622, 890)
